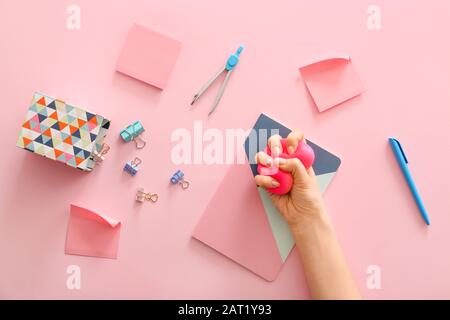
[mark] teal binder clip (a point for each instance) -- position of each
(133, 133)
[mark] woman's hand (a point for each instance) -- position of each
(304, 201)
(326, 271)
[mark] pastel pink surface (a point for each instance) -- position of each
(234, 223)
(148, 56)
(91, 234)
(331, 81)
(405, 70)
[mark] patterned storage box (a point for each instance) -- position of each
(64, 133)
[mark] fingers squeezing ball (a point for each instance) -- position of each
(303, 152)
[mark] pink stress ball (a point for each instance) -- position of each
(304, 153)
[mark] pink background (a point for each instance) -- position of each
(405, 69)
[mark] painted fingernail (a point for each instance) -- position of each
(280, 161)
(269, 162)
(276, 151)
(275, 183)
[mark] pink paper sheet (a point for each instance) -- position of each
(92, 234)
(331, 81)
(148, 56)
(235, 224)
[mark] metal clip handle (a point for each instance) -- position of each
(137, 161)
(142, 196)
(184, 184)
(153, 197)
(140, 143)
(99, 156)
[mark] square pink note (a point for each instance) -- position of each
(239, 229)
(92, 234)
(148, 56)
(331, 81)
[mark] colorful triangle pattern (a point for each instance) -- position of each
(62, 132)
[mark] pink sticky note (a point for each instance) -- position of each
(92, 234)
(331, 81)
(148, 56)
(235, 224)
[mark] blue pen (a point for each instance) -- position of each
(402, 162)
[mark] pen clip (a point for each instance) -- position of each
(401, 149)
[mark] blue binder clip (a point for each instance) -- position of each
(133, 133)
(132, 167)
(178, 178)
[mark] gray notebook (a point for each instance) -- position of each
(325, 166)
